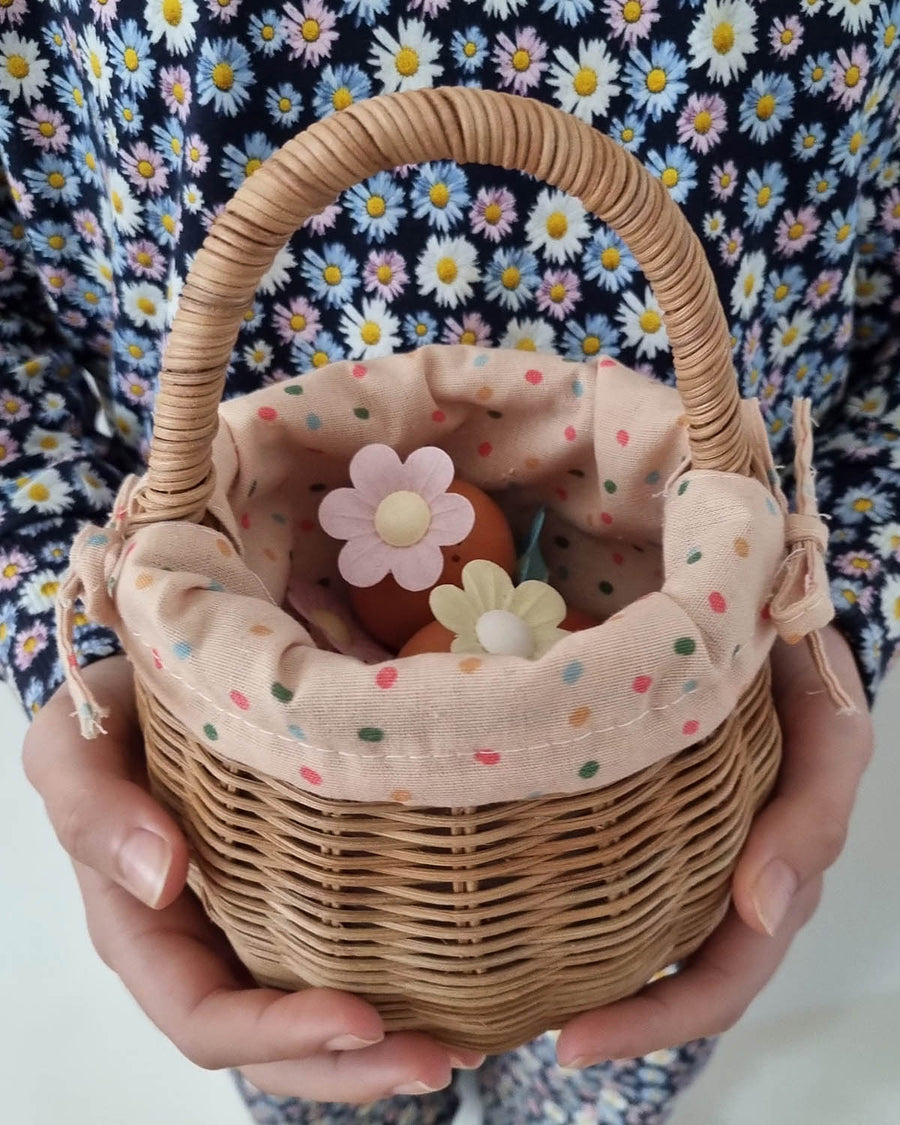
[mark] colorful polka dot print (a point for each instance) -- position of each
(448, 729)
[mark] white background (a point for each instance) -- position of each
(821, 1045)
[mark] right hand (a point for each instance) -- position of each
(131, 861)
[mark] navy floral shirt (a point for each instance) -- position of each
(125, 125)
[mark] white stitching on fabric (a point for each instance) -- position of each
(411, 757)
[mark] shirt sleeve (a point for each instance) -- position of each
(57, 470)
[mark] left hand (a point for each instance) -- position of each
(778, 881)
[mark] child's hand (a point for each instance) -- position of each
(778, 881)
(151, 931)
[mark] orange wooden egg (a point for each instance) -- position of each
(432, 638)
(392, 615)
(575, 620)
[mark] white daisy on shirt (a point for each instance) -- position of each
(51, 445)
(96, 64)
(44, 492)
(145, 304)
(505, 9)
(722, 38)
(172, 20)
(39, 592)
(372, 332)
(120, 200)
(855, 14)
(407, 62)
(529, 336)
(890, 606)
(585, 85)
(447, 268)
(280, 271)
(642, 323)
(258, 355)
(23, 73)
(748, 284)
(789, 335)
(99, 494)
(556, 226)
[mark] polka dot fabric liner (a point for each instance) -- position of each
(680, 563)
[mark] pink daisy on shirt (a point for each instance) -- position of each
(731, 245)
(471, 330)
(145, 168)
(559, 293)
(848, 76)
(105, 11)
(145, 258)
(632, 20)
(823, 288)
(9, 447)
(796, 230)
(323, 220)
(297, 320)
(520, 60)
(175, 85)
(88, 226)
(493, 213)
(385, 274)
(310, 31)
(30, 644)
(702, 122)
(785, 36)
(724, 179)
(196, 154)
(46, 129)
(13, 12)
(223, 10)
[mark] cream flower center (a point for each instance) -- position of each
(402, 519)
(503, 633)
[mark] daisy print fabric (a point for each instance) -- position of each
(125, 125)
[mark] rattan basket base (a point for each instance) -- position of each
(484, 927)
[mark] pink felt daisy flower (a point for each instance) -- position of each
(396, 517)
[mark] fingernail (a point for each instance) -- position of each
(578, 1063)
(775, 888)
(467, 1061)
(144, 861)
(417, 1088)
(350, 1043)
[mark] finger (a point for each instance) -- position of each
(402, 1064)
(95, 798)
(707, 998)
(179, 969)
(803, 829)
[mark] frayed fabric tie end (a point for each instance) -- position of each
(801, 604)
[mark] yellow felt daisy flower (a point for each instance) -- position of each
(490, 615)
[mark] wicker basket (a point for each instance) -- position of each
(484, 926)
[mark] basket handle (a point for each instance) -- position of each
(467, 125)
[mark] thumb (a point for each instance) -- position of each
(94, 791)
(802, 831)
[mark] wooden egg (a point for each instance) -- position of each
(392, 615)
(432, 638)
(575, 620)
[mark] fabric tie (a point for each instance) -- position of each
(801, 604)
(90, 579)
